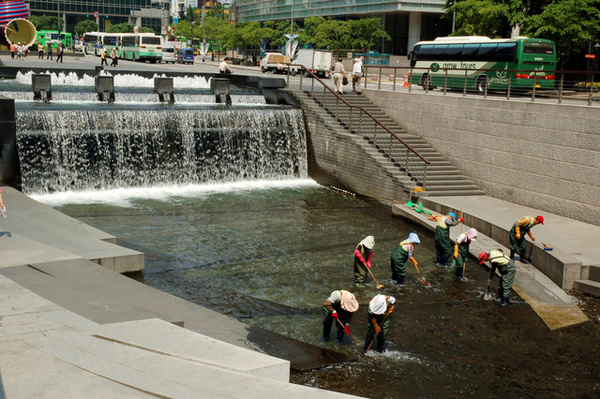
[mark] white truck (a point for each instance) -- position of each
(277, 63)
(318, 62)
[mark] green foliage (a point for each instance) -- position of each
(478, 17)
(571, 24)
(364, 32)
(121, 28)
(85, 26)
(45, 22)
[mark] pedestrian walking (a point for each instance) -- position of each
(340, 306)
(338, 76)
(114, 56)
(461, 251)
(516, 235)
(402, 253)
(357, 74)
(40, 48)
(13, 51)
(49, 55)
(443, 244)
(378, 321)
(363, 253)
(499, 261)
(103, 60)
(60, 50)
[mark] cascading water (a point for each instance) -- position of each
(96, 148)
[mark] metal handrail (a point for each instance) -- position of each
(411, 162)
(588, 77)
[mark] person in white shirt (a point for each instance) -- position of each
(357, 74)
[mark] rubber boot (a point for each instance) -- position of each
(340, 337)
(524, 257)
(366, 348)
(400, 280)
(505, 301)
(512, 255)
(380, 346)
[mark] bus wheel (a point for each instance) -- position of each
(426, 82)
(481, 84)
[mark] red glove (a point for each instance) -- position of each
(334, 314)
(369, 265)
(347, 329)
(461, 219)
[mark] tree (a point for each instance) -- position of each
(571, 24)
(478, 17)
(325, 33)
(364, 32)
(85, 26)
(121, 28)
(45, 22)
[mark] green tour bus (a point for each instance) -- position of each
(51, 37)
(481, 63)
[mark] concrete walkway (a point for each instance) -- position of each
(575, 244)
(71, 327)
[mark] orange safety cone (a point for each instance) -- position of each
(406, 84)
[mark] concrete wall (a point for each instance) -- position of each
(544, 156)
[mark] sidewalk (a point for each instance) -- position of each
(575, 244)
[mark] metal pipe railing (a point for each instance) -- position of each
(572, 85)
(356, 119)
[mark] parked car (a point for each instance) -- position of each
(168, 55)
(78, 45)
(185, 56)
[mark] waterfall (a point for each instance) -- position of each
(86, 148)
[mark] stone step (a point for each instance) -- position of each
(594, 273)
(587, 287)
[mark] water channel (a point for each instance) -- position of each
(268, 248)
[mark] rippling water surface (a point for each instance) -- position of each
(270, 253)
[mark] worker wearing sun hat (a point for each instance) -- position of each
(362, 259)
(443, 244)
(461, 250)
(340, 305)
(378, 321)
(517, 235)
(499, 261)
(402, 253)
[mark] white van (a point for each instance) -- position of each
(168, 55)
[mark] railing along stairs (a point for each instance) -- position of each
(359, 121)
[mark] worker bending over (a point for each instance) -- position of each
(400, 255)
(339, 306)
(517, 235)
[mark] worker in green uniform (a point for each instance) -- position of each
(402, 253)
(362, 259)
(443, 244)
(461, 250)
(378, 321)
(517, 235)
(339, 306)
(499, 261)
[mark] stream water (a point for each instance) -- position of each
(271, 252)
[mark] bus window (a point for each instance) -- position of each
(506, 52)
(151, 40)
(453, 53)
(426, 53)
(538, 48)
(469, 52)
(487, 52)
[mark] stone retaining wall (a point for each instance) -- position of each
(544, 156)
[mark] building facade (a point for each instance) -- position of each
(406, 21)
(153, 14)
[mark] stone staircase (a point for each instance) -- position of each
(443, 179)
(590, 284)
